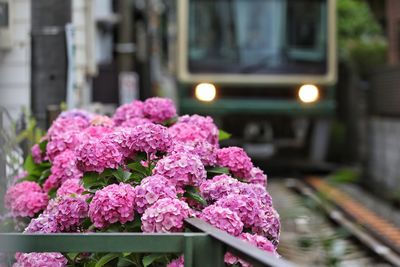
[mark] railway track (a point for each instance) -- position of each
(317, 234)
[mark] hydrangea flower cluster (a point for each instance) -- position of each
(166, 215)
(246, 207)
(179, 262)
(36, 154)
(159, 109)
(113, 203)
(150, 138)
(47, 259)
(25, 199)
(186, 132)
(45, 224)
(151, 189)
(141, 166)
(73, 113)
(66, 124)
(98, 155)
(236, 159)
(255, 240)
(128, 112)
(223, 218)
(103, 121)
(219, 187)
(206, 151)
(62, 142)
(64, 167)
(182, 169)
(69, 187)
(206, 124)
(257, 176)
(69, 212)
(135, 122)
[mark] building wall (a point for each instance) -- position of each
(15, 62)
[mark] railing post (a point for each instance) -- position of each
(207, 252)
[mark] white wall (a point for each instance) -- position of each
(15, 62)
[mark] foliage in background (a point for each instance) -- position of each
(360, 37)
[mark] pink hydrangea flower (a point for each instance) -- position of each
(62, 125)
(159, 109)
(269, 225)
(77, 113)
(206, 124)
(203, 149)
(37, 154)
(223, 218)
(179, 262)
(25, 199)
(62, 142)
(98, 155)
(94, 132)
(45, 223)
(121, 136)
(182, 169)
(257, 176)
(64, 167)
(151, 189)
(256, 240)
(258, 192)
(150, 138)
(69, 212)
(43, 259)
(113, 203)
(218, 187)
(131, 123)
(166, 215)
(247, 207)
(236, 159)
(101, 120)
(186, 132)
(71, 186)
(128, 112)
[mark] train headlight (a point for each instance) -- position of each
(205, 92)
(308, 93)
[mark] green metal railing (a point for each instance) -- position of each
(205, 247)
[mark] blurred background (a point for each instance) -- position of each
(310, 89)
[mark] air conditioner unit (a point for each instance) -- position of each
(5, 24)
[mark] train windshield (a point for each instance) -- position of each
(258, 36)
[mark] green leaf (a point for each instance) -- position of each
(52, 193)
(29, 164)
(43, 145)
(124, 262)
(222, 135)
(121, 175)
(149, 259)
(192, 193)
(90, 179)
(45, 174)
(170, 121)
(138, 167)
(106, 259)
(218, 170)
(72, 256)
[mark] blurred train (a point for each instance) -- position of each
(264, 69)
